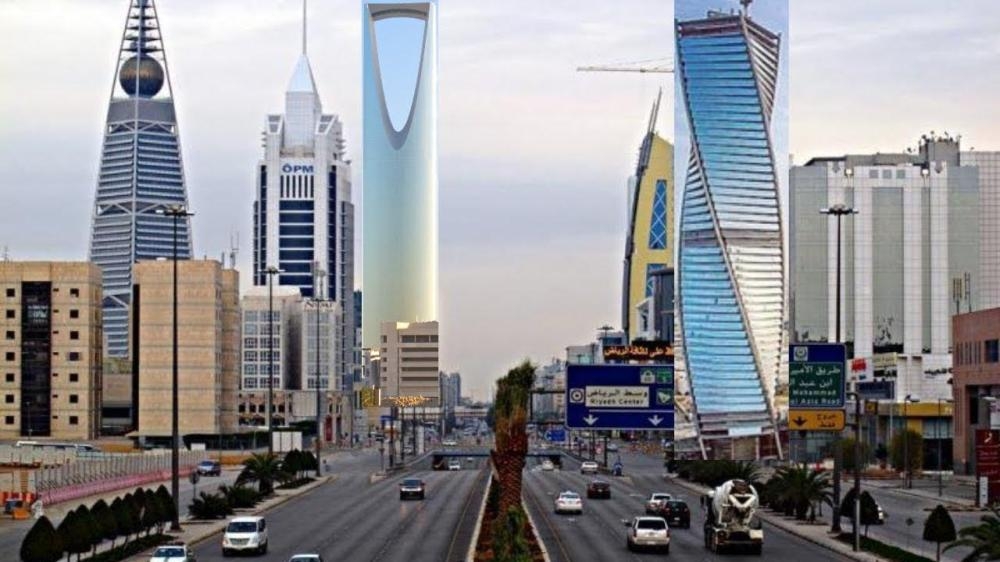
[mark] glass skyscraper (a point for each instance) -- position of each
(731, 290)
(141, 171)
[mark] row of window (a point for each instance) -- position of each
(976, 353)
(12, 313)
(73, 292)
(73, 420)
(73, 398)
(73, 377)
(11, 356)
(73, 334)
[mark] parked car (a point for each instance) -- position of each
(174, 552)
(412, 488)
(647, 532)
(245, 534)
(599, 489)
(588, 467)
(209, 468)
(656, 501)
(569, 502)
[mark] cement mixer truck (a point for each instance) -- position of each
(731, 522)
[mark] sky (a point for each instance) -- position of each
(534, 156)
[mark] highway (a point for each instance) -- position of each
(599, 533)
(351, 519)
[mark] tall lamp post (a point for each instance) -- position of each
(937, 433)
(318, 275)
(271, 272)
(856, 527)
(907, 477)
(177, 213)
(839, 211)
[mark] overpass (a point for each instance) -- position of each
(440, 457)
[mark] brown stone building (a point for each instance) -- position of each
(208, 346)
(51, 351)
(975, 380)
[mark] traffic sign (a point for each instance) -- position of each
(628, 397)
(816, 376)
(555, 435)
(816, 420)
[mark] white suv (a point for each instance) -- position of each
(588, 467)
(245, 534)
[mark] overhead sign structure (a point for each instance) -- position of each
(627, 397)
(816, 376)
(817, 420)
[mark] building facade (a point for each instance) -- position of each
(141, 171)
(650, 240)
(922, 247)
(409, 361)
(401, 179)
(976, 382)
(731, 263)
(286, 331)
(320, 345)
(208, 347)
(51, 351)
(303, 212)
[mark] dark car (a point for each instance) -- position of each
(411, 488)
(598, 489)
(210, 468)
(677, 513)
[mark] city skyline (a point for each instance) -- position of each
(551, 139)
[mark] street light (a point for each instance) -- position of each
(856, 531)
(840, 211)
(907, 477)
(318, 275)
(175, 212)
(271, 272)
(937, 433)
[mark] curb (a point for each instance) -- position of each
(470, 556)
(534, 528)
(779, 523)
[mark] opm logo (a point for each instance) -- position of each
(297, 169)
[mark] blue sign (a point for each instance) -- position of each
(556, 435)
(877, 390)
(385, 420)
(629, 397)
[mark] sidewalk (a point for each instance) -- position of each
(959, 494)
(815, 533)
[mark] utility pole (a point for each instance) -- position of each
(856, 527)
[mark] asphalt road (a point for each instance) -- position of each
(351, 519)
(599, 533)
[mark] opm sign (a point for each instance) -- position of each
(296, 168)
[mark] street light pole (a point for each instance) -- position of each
(856, 530)
(318, 275)
(937, 433)
(271, 272)
(907, 477)
(839, 211)
(175, 212)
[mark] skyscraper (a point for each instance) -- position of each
(141, 171)
(303, 213)
(400, 173)
(731, 291)
(650, 239)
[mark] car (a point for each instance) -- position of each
(449, 443)
(599, 489)
(612, 447)
(588, 467)
(454, 464)
(569, 502)
(647, 532)
(548, 465)
(677, 513)
(209, 468)
(245, 534)
(656, 501)
(306, 558)
(412, 488)
(470, 460)
(174, 552)
(880, 520)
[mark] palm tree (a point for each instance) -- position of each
(511, 437)
(264, 469)
(984, 538)
(800, 488)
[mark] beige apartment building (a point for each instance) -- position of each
(51, 351)
(409, 361)
(208, 346)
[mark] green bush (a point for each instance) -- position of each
(714, 473)
(240, 497)
(847, 446)
(106, 524)
(42, 543)
(296, 483)
(209, 506)
(882, 550)
(914, 450)
(126, 551)
(939, 528)
(869, 508)
(152, 512)
(167, 503)
(509, 537)
(89, 529)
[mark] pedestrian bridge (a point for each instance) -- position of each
(440, 457)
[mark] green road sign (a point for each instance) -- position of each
(816, 376)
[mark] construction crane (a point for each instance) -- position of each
(642, 66)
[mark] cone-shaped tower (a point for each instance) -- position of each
(141, 171)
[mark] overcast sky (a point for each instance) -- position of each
(533, 155)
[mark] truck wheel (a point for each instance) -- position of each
(757, 549)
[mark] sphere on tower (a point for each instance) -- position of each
(150, 76)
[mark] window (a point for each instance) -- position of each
(74, 355)
(74, 377)
(74, 292)
(384, 339)
(10, 313)
(11, 335)
(74, 420)
(74, 335)
(992, 351)
(658, 220)
(900, 174)
(873, 174)
(9, 377)
(74, 313)
(10, 293)
(9, 420)
(9, 356)
(9, 399)
(74, 398)
(887, 174)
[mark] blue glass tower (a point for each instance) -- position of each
(731, 289)
(141, 171)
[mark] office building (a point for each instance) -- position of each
(303, 214)
(286, 331)
(409, 361)
(976, 383)
(650, 240)
(731, 288)
(923, 246)
(51, 351)
(451, 391)
(319, 353)
(208, 347)
(400, 174)
(141, 171)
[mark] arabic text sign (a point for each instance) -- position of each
(640, 351)
(617, 396)
(816, 420)
(816, 376)
(988, 462)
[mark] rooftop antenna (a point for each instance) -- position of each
(304, 17)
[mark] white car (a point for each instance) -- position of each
(306, 558)
(648, 532)
(245, 534)
(588, 467)
(449, 443)
(569, 502)
(656, 502)
(454, 464)
(547, 465)
(178, 552)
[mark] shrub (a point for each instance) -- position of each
(847, 448)
(209, 506)
(42, 543)
(939, 528)
(240, 497)
(509, 544)
(914, 450)
(89, 528)
(123, 525)
(152, 512)
(105, 519)
(167, 503)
